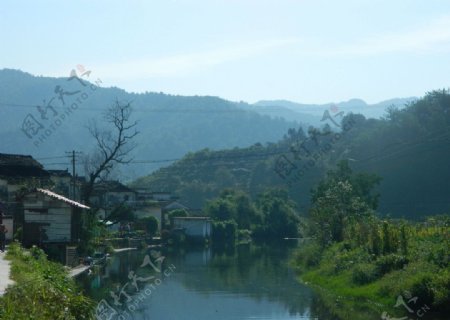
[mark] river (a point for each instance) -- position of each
(242, 282)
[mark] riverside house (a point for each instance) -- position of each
(52, 220)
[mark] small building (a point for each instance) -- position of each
(65, 184)
(109, 194)
(156, 204)
(18, 173)
(193, 227)
(51, 218)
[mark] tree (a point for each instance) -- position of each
(362, 184)
(151, 225)
(341, 205)
(113, 145)
(121, 213)
(279, 217)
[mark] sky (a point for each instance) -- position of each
(308, 51)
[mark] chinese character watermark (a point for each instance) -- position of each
(409, 303)
(304, 155)
(130, 302)
(51, 114)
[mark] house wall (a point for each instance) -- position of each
(162, 196)
(118, 197)
(9, 224)
(194, 227)
(54, 216)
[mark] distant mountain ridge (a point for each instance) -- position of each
(314, 112)
(170, 126)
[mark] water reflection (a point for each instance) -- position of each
(243, 282)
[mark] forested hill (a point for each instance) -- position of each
(170, 126)
(409, 149)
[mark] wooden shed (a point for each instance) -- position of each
(51, 218)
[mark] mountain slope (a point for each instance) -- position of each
(409, 150)
(170, 126)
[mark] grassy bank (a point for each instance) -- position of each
(42, 289)
(364, 278)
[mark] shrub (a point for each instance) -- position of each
(309, 255)
(390, 262)
(244, 235)
(364, 273)
(42, 290)
(224, 231)
(340, 258)
(149, 224)
(441, 285)
(421, 288)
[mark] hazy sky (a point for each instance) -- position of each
(305, 51)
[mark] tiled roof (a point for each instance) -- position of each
(62, 198)
(59, 173)
(15, 165)
(111, 186)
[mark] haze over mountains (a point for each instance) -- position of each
(170, 126)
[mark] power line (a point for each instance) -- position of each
(228, 109)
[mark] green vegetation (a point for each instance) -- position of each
(169, 125)
(417, 134)
(369, 260)
(271, 216)
(42, 289)
(148, 224)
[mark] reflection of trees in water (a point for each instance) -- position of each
(260, 272)
(112, 275)
(257, 272)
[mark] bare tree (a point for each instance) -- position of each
(113, 146)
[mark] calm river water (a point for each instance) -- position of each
(245, 282)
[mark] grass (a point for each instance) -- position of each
(42, 289)
(356, 284)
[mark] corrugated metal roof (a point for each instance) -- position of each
(62, 198)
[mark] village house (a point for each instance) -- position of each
(51, 219)
(193, 227)
(17, 173)
(65, 184)
(156, 204)
(107, 195)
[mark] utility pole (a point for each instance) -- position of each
(72, 154)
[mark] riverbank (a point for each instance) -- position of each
(42, 289)
(414, 279)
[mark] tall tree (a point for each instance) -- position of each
(113, 145)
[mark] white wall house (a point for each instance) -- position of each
(196, 227)
(51, 218)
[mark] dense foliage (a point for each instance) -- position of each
(408, 150)
(357, 254)
(272, 216)
(169, 125)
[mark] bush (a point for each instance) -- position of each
(421, 288)
(43, 289)
(309, 255)
(441, 285)
(390, 262)
(364, 273)
(149, 224)
(340, 258)
(224, 231)
(244, 235)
